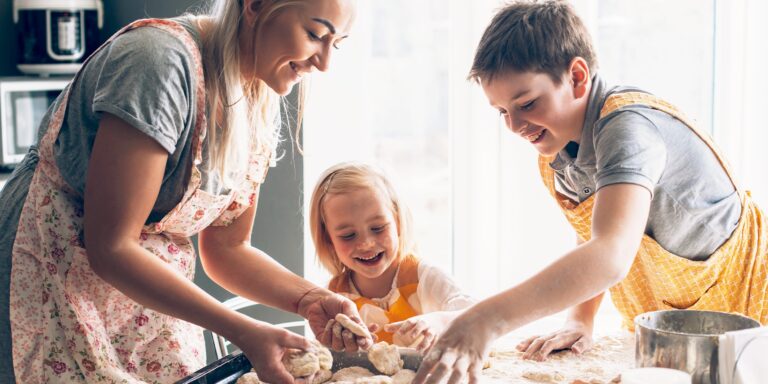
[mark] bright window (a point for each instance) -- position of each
(397, 96)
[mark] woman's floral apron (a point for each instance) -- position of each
(68, 325)
(733, 279)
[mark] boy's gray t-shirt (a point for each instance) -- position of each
(694, 207)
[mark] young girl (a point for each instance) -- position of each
(362, 233)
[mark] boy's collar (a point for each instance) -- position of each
(597, 96)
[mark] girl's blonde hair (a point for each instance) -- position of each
(344, 178)
(239, 113)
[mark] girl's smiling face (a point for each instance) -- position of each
(364, 234)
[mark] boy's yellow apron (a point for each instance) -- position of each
(733, 279)
(400, 309)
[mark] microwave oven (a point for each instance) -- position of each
(23, 103)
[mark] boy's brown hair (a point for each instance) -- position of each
(532, 36)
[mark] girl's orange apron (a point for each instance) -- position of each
(399, 310)
(68, 325)
(733, 279)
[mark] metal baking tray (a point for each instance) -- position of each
(228, 369)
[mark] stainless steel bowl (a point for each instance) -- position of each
(686, 340)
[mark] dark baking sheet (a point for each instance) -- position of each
(228, 369)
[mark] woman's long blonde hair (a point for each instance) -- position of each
(238, 112)
(344, 178)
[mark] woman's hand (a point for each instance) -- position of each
(574, 335)
(265, 346)
(420, 332)
(320, 306)
(459, 351)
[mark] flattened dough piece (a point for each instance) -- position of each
(353, 327)
(301, 363)
(379, 379)
(385, 357)
(322, 376)
(351, 374)
(403, 376)
(407, 341)
(249, 378)
(544, 377)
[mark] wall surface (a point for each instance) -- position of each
(278, 229)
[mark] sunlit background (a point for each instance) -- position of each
(397, 96)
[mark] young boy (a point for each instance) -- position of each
(661, 223)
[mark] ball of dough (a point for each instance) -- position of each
(351, 374)
(407, 341)
(403, 376)
(324, 356)
(301, 363)
(249, 378)
(385, 357)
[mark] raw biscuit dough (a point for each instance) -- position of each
(385, 357)
(406, 341)
(353, 327)
(322, 376)
(249, 378)
(301, 363)
(544, 377)
(351, 374)
(403, 376)
(324, 357)
(379, 379)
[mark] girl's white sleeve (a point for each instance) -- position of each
(438, 292)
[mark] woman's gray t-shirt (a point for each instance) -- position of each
(695, 207)
(145, 77)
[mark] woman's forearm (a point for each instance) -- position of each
(150, 282)
(251, 273)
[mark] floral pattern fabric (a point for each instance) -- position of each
(68, 325)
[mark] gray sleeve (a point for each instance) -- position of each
(146, 80)
(629, 149)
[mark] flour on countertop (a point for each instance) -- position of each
(609, 356)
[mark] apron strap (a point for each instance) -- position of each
(619, 100)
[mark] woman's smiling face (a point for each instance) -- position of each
(294, 41)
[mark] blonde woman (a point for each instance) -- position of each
(167, 131)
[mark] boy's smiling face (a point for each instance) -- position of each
(547, 114)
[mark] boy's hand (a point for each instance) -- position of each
(574, 335)
(458, 354)
(419, 332)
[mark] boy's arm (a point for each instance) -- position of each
(619, 218)
(576, 333)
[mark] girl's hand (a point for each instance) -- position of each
(265, 346)
(420, 332)
(574, 335)
(458, 352)
(320, 306)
